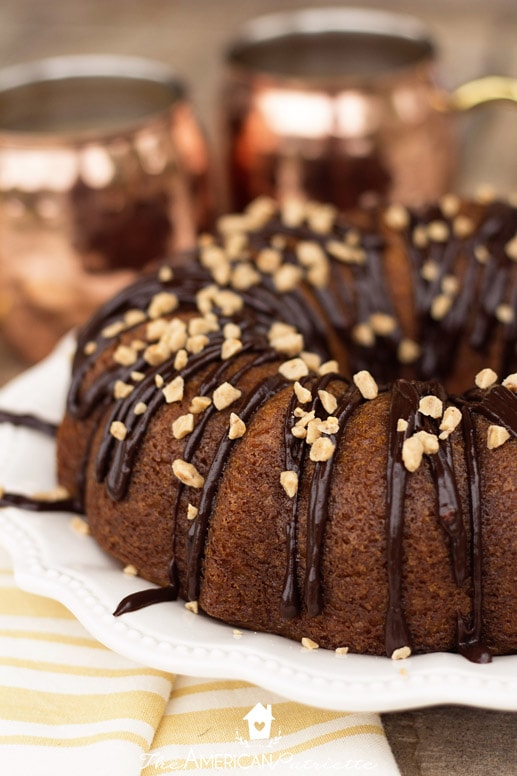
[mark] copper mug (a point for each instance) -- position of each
(103, 167)
(337, 104)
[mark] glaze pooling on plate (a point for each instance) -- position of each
(52, 559)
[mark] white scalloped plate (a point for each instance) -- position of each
(52, 559)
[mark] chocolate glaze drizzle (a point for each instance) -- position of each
(485, 286)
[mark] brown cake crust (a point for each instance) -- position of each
(253, 535)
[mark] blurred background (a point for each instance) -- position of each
(475, 37)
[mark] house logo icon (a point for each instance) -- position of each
(259, 720)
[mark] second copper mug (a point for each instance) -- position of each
(333, 104)
(103, 168)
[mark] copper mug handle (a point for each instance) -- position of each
(479, 91)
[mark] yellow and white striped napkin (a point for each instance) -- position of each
(68, 705)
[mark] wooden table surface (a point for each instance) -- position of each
(474, 38)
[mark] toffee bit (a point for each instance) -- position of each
(180, 359)
(118, 430)
(408, 351)
(363, 334)
(183, 425)
(383, 324)
(157, 354)
(496, 436)
(287, 277)
(302, 394)
(237, 427)
(165, 273)
(294, 369)
(187, 473)
(289, 482)
(231, 331)
(121, 389)
(328, 367)
(269, 260)
(313, 431)
(80, 526)
(230, 348)
(134, 316)
(438, 231)
(511, 382)
(430, 443)
(485, 378)
(162, 303)
(440, 306)
(113, 329)
(174, 390)
(366, 384)
(225, 395)
(396, 217)
(412, 453)
(192, 512)
(328, 401)
(431, 406)
(197, 343)
(322, 449)
(309, 643)
(125, 355)
(451, 419)
(511, 248)
(504, 313)
(312, 360)
(401, 653)
(199, 404)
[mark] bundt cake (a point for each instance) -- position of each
(307, 426)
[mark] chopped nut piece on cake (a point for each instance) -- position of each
(328, 367)
(309, 643)
(412, 453)
(431, 406)
(183, 426)
(230, 348)
(237, 427)
(302, 394)
(199, 404)
(118, 430)
(401, 653)
(289, 482)
(130, 570)
(80, 526)
(485, 378)
(408, 351)
(341, 650)
(162, 303)
(396, 217)
(192, 512)
(140, 408)
(294, 369)
(322, 449)
(174, 390)
(510, 381)
(192, 606)
(451, 419)
(225, 395)
(496, 436)
(125, 355)
(402, 424)
(366, 384)
(187, 473)
(328, 401)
